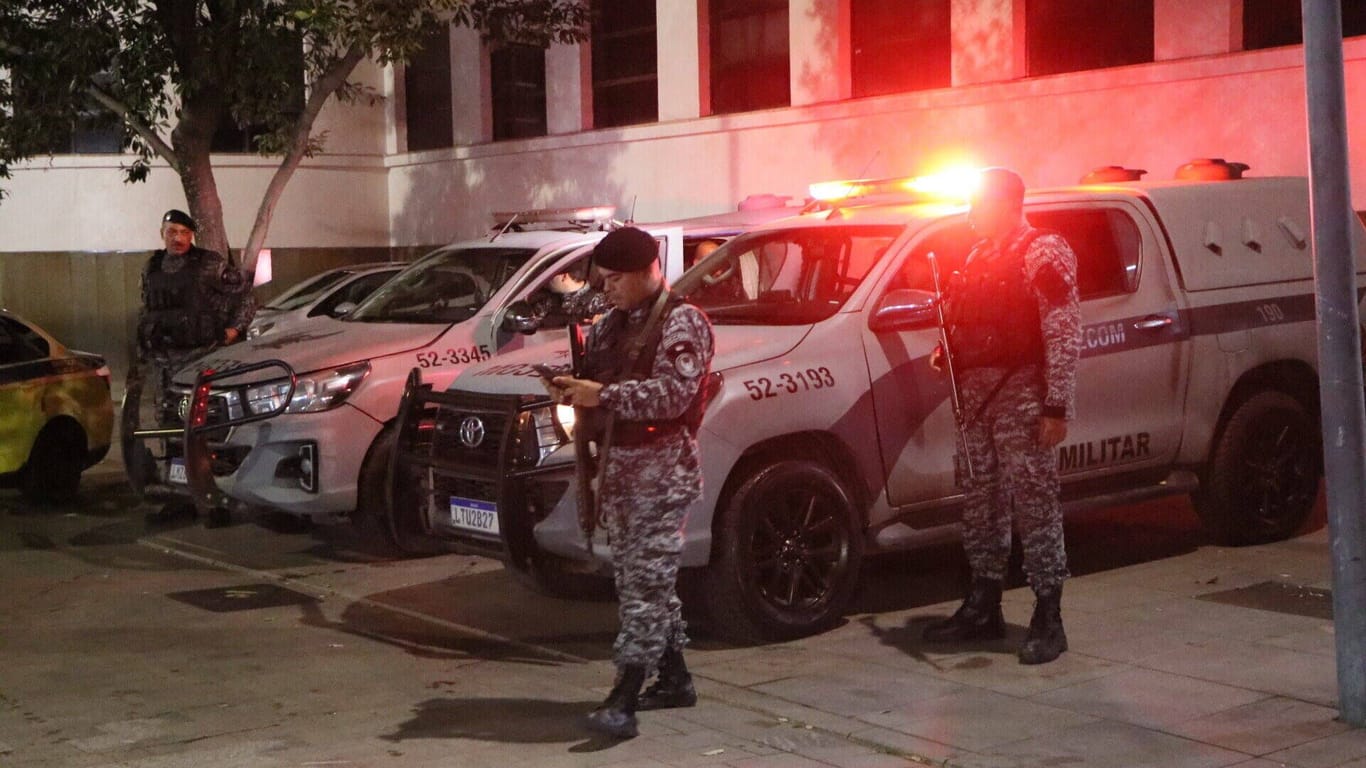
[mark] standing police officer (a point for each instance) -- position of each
(192, 299)
(645, 365)
(1014, 329)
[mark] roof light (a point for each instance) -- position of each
(1211, 169)
(1111, 173)
(955, 185)
(585, 215)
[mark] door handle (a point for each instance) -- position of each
(1153, 322)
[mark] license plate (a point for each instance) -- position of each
(176, 473)
(474, 515)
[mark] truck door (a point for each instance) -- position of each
(1134, 355)
(1130, 391)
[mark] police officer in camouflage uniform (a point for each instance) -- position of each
(192, 299)
(650, 378)
(1014, 325)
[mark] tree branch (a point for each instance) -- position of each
(148, 135)
(323, 88)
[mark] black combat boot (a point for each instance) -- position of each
(978, 618)
(1045, 641)
(673, 688)
(617, 715)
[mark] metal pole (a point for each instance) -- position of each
(1339, 347)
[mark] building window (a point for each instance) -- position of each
(94, 130)
(234, 138)
(427, 94)
(750, 67)
(625, 63)
(1074, 35)
(518, 73)
(1272, 23)
(900, 45)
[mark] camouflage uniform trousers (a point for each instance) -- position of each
(646, 495)
(1014, 478)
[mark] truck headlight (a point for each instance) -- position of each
(541, 432)
(564, 416)
(318, 392)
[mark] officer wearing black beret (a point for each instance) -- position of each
(192, 300)
(645, 370)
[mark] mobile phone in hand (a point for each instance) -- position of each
(547, 372)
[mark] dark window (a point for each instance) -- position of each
(518, 92)
(1073, 35)
(1271, 23)
(625, 63)
(427, 91)
(19, 344)
(1107, 245)
(900, 45)
(234, 137)
(750, 67)
(93, 130)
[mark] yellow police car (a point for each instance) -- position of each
(56, 413)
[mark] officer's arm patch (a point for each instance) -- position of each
(683, 355)
(230, 277)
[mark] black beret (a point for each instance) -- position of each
(175, 216)
(626, 250)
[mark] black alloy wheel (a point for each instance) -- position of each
(790, 553)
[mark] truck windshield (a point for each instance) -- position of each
(448, 286)
(785, 277)
(308, 291)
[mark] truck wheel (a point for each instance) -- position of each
(556, 576)
(53, 470)
(399, 533)
(1263, 478)
(788, 556)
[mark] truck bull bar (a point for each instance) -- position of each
(196, 433)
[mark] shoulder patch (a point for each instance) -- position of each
(1050, 282)
(231, 277)
(683, 356)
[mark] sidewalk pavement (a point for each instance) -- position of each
(1217, 657)
(1208, 656)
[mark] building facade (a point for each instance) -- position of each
(677, 108)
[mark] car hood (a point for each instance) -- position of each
(512, 374)
(317, 344)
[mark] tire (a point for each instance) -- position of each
(787, 558)
(555, 576)
(1263, 477)
(390, 534)
(52, 473)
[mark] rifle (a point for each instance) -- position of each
(955, 393)
(585, 464)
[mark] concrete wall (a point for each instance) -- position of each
(1246, 106)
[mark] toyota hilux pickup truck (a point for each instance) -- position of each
(831, 438)
(301, 421)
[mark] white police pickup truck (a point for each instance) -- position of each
(308, 430)
(832, 438)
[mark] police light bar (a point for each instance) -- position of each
(585, 215)
(953, 185)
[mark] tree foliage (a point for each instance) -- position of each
(173, 72)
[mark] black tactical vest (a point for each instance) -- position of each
(992, 315)
(606, 363)
(177, 313)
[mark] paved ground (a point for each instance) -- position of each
(248, 646)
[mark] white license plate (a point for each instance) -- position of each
(176, 473)
(474, 515)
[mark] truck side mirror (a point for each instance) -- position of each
(905, 309)
(520, 317)
(343, 309)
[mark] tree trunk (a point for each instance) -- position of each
(192, 140)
